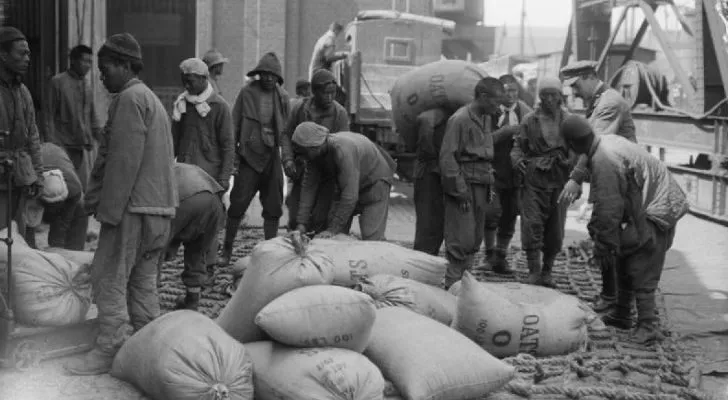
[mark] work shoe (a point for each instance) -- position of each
(500, 263)
(604, 305)
(95, 362)
(617, 320)
(191, 301)
(227, 253)
(547, 280)
(646, 333)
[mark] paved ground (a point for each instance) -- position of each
(695, 286)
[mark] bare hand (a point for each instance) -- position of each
(464, 205)
(571, 192)
(325, 235)
(289, 167)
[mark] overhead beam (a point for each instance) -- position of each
(636, 42)
(682, 76)
(610, 41)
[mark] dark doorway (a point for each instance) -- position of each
(166, 30)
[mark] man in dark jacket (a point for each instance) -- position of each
(19, 139)
(503, 213)
(202, 126)
(466, 158)
(364, 174)
(259, 116)
(325, 111)
(198, 219)
(540, 154)
(428, 195)
(637, 204)
(133, 194)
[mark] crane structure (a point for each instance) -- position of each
(701, 124)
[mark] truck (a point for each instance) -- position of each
(383, 45)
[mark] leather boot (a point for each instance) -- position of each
(270, 228)
(190, 301)
(546, 279)
(533, 258)
(646, 333)
(231, 229)
(95, 362)
(620, 316)
(500, 263)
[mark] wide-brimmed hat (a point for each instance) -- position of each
(269, 63)
(214, 57)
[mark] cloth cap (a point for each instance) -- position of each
(10, 34)
(269, 63)
(310, 134)
(549, 82)
(302, 83)
(214, 57)
(124, 45)
(322, 77)
(571, 72)
(575, 126)
(194, 66)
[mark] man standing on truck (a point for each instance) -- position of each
(637, 204)
(18, 129)
(466, 158)
(609, 114)
(503, 213)
(324, 52)
(325, 111)
(364, 174)
(133, 194)
(542, 157)
(428, 195)
(259, 116)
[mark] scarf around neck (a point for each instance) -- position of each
(200, 102)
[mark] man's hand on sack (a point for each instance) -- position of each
(289, 167)
(571, 192)
(35, 189)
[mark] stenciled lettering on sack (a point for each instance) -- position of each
(529, 335)
(481, 331)
(413, 99)
(437, 89)
(343, 338)
(315, 342)
(501, 338)
(358, 269)
(405, 273)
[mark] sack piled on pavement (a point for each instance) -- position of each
(427, 360)
(48, 290)
(277, 266)
(541, 325)
(320, 316)
(184, 355)
(82, 258)
(282, 372)
(428, 300)
(357, 259)
(441, 84)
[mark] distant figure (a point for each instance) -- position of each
(303, 88)
(215, 63)
(324, 52)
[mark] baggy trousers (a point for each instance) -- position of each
(638, 274)
(198, 220)
(68, 224)
(124, 275)
(542, 220)
(464, 229)
(503, 213)
(373, 210)
(430, 213)
(248, 182)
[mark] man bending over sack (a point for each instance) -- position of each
(637, 204)
(199, 217)
(466, 158)
(364, 174)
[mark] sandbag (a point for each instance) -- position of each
(323, 373)
(357, 259)
(506, 328)
(441, 84)
(54, 186)
(83, 258)
(516, 292)
(430, 301)
(277, 266)
(320, 316)
(427, 360)
(48, 290)
(184, 355)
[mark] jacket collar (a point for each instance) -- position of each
(9, 78)
(130, 83)
(479, 120)
(597, 94)
(74, 75)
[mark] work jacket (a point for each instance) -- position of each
(208, 141)
(192, 180)
(503, 137)
(71, 119)
(630, 187)
(134, 170)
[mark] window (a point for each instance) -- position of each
(401, 5)
(399, 50)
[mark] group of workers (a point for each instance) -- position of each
(155, 183)
(481, 166)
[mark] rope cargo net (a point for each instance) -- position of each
(610, 367)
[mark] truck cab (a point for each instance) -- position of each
(383, 45)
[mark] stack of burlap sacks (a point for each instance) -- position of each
(348, 319)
